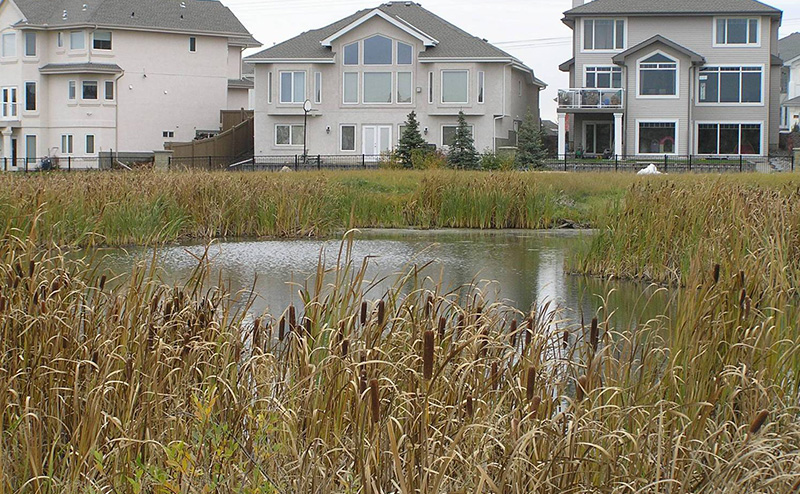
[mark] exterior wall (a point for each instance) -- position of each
(238, 99)
(332, 112)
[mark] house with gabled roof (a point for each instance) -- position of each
(789, 51)
(83, 77)
(671, 77)
(362, 76)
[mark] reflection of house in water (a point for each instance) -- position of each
(550, 286)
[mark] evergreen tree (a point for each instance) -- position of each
(462, 152)
(531, 151)
(410, 141)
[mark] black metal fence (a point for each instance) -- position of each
(277, 163)
(673, 163)
(66, 163)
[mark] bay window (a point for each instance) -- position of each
(30, 44)
(658, 76)
(377, 87)
(730, 85)
(289, 135)
(657, 137)
(77, 40)
(455, 86)
(89, 90)
(728, 138)
(604, 77)
(736, 31)
(603, 34)
(293, 87)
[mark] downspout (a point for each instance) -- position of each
(690, 113)
(626, 96)
(116, 111)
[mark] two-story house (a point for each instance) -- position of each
(671, 77)
(81, 77)
(363, 75)
(789, 51)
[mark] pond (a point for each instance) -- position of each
(519, 268)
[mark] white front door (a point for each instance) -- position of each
(377, 139)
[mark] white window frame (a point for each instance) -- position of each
(397, 54)
(358, 88)
(10, 107)
(317, 88)
(355, 138)
(698, 123)
(441, 89)
(269, 87)
(67, 144)
(481, 94)
(719, 89)
(358, 55)
(397, 87)
(391, 87)
(25, 35)
(60, 40)
(111, 40)
(604, 50)
(113, 90)
(72, 85)
(455, 126)
(757, 44)
(86, 144)
(614, 68)
(83, 35)
(168, 134)
(83, 90)
(192, 44)
(363, 52)
(35, 145)
(25, 97)
(639, 94)
(280, 87)
(431, 91)
(658, 120)
(291, 144)
(3, 38)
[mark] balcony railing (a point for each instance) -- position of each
(590, 98)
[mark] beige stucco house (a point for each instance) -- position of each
(789, 48)
(363, 74)
(671, 77)
(81, 77)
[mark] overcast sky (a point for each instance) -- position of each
(531, 30)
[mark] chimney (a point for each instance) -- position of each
(577, 3)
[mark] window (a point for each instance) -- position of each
(293, 87)
(378, 50)
(404, 87)
(77, 41)
(89, 144)
(604, 77)
(9, 45)
(405, 54)
(449, 134)
(89, 90)
(455, 86)
(60, 39)
(348, 140)
(30, 96)
(728, 138)
(192, 44)
(30, 147)
(350, 87)
(168, 134)
(736, 32)
(377, 87)
(66, 144)
(109, 90)
(269, 87)
(519, 88)
(30, 44)
(317, 87)
(730, 85)
(351, 54)
(784, 118)
(71, 90)
(9, 102)
(101, 40)
(430, 87)
(481, 87)
(603, 34)
(289, 135)
(658, 76)
(657, 137)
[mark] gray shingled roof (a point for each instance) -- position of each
(453, 42)
(693, 56)
(792, 102)
(789, 47)
(666, 7)
(194, 16)
(81, 68)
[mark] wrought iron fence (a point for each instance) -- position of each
(64, 163)
(279, 162)
(672, 163)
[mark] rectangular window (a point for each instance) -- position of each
(293, 87)
(89, 90)
(9, 45)
(455, 86)
(66, 144)
(730, 85)
(736, 31)
(30, 148)
(71, 90)
(405, 54)
(449, 134)
(604, 77)
(101, 40)
(658, 76)
(192, 44)
(603, 34)
(30, 44)
(729, 138)
(317, 87)
(481, 87)
(9, 102)
(30, 96)
(168, 134)
(404, 87)
(109, 90)
(430, 87)
(377, 87)
(350, 87)
(657, 137)
(351, 54)
(89, 144)
(77, 40)
(289, 135)
(269, 87)
(348, 141)
(60, 39)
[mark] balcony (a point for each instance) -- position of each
(570, 100)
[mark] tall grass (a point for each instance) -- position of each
(131, 386)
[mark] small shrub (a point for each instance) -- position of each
(497, 161)
(423, 159)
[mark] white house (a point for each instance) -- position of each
(789, 48)
(81, 77)
(363, 75)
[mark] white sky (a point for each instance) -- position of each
(531, 30)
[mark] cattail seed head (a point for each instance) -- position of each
(594, 335)
(495, 375)
(531, 384)
(581, 388)
(307, 326)
(381, 312)
(742, 297)
(428, 306)
(362, 382)
(755, 426)
(281, 328)
(363, 313)
(256, 333)
(292, 318)
(442, 325)
(535, 402)
(468, 407)
(102, 282)
(427, 355)
(716, 273)
(31, 268)
(345, 347)
(374, 400)
(566, 339)
(741, 279)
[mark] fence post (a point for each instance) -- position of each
(295, 162)
(319, 162)
(741, 163)
(364, 161)
(793, 156)
(616, 162)
(5, 164)
(69, 163)
(666, 163)
(690, 162)
(565, 161)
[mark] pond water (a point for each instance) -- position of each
(520, 268)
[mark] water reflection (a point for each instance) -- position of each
(522, 268)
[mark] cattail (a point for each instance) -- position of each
(428, 306)
(742, 297)
(256, 333)
(442, 325)
(741, 279)
(513, 332)
(381, 311)
(427, 355)
(375, 401)
(364, 313)
(468, 406)
(102, 282)
(594, 335)
(514, 340)
(2, 303)
(515, 427)
(460, 326)
(362, 382)
(535, 402)
(716, 273)
(154, 304)
(566, 339)
(281, 328)
(531, 383)
(495, 375)
(31, 268)
(581, 388)
(529, 333)
(307, 326)
(292, 318)
(755, 426)
(345, 347)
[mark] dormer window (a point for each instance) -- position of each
(603, 34)
(658, 76)
(378, 51)
(736, 32)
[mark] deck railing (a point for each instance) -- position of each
(590, 98)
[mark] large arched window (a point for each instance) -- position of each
(658, 76)
(378, 50)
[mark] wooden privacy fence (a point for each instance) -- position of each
(236, 141)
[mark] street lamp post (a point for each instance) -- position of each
(306, 109)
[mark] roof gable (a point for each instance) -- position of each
(672, 7)
(424, 38)
(656, 40)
